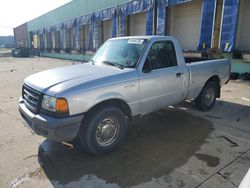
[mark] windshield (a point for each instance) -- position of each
(121, 52)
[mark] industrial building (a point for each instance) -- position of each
(7, 42)
(76, 29)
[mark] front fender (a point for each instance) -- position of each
(82, 102)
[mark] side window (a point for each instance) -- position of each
(161, 55)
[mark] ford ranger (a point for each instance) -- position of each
(91, 104)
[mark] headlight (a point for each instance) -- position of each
(54, 104)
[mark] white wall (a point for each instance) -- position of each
(184, 22)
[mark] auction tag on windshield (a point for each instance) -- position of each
(135, 41)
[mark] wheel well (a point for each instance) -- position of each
(114, 102)
(216, 80)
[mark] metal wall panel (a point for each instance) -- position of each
(69, 11)
(21, 36)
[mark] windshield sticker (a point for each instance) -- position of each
(135, 41)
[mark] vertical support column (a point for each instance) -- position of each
(97, 24)
(31, 36)
(114, 24)
(150, 20)
(161, 17)
(62, 38)
(76, 36)
(45, 40)
(53, 40)
(38, 41)
(90, 37)
(122, 25)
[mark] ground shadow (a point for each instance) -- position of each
(155, 145)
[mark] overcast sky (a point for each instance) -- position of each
(16, 12)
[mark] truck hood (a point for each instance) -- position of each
(72, 74)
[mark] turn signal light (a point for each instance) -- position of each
(62, 105)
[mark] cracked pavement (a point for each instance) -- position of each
(175, 147)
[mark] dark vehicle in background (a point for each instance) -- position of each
(21, 52)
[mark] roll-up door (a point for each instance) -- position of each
(184, 22)
(57, 40)
(136, 18)
(41, 38)
(82, 37)
(107, 30)
(69, 39)
(137, 24)
(87, 28)
(48, 40)
(243, 35)
(35, 41)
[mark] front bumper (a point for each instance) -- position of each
(58, 129)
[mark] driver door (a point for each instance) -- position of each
(161, 80)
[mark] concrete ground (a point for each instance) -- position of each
(174, 147)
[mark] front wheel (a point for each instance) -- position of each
(103, 130)
(207, 98)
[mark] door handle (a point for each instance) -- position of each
(178, 74)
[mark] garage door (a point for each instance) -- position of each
(86, 36)
(107, 29)
(137, 24)
(244, 26)
(183, 21)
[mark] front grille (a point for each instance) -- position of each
(32, 98)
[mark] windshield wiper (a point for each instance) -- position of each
(113, 64)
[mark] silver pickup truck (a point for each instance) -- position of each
(91, 104)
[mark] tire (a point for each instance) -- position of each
(103, 130)
(207, 98)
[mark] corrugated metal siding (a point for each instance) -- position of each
(21, 36)
(69, 11)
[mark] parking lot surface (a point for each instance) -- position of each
(175, 147)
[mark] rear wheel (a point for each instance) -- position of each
(207, 98)
(103, 130)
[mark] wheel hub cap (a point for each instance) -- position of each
(107, 131)
(209, 97)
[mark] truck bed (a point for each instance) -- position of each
(205, 68)
(197, 59)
